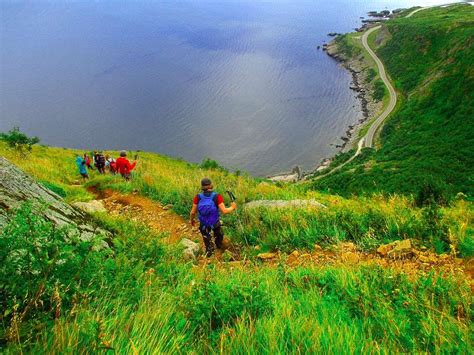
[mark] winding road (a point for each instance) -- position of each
(368, 139)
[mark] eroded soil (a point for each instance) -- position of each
(163, 221)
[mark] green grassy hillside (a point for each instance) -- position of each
(326, 290)
(430, 139)
(366, 221)
(142, 297)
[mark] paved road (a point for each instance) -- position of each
(368, 139)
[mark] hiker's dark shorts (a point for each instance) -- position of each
(126, 176)
(217, 231)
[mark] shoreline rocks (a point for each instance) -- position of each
(356, 66)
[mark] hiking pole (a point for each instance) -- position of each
(232, 198)
(231, 195)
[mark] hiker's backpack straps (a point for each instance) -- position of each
(208, 211)
(215, 199)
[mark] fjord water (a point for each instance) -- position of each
(241, 82)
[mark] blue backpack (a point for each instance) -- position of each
(208, 211)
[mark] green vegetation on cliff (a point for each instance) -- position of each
(429, 141)
(332, 294)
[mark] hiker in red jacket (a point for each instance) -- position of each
(87, 161)
(123, 165)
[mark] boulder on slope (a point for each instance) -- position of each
(16, 188)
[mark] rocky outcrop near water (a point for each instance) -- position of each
(357, 66)
(16, 188)
(293, 176)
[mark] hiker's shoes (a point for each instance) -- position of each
(209, 253)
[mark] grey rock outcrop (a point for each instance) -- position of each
(16, 187)
(397, 249)
(91, 206)
(191, 249)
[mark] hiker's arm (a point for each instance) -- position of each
(192, 215)
(227, 210)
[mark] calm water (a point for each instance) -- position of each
(241, 82)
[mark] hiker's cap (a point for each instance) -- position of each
(206, 182)
(123, 153)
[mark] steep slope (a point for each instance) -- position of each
(430, 139)
(16, 188)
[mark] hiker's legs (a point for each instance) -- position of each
(218, 235)
(206, 237)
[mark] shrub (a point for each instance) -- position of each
(18, 140)
(371, 73)
(466, 246)
(211, 164)
(212, 305)
(42, 266)
(379, 90)
(430, 193)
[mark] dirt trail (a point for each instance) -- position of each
(160, 219)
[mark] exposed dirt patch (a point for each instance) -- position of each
(162, 220)
(158, 218)
(346, 254)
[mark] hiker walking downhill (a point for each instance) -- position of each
(81, 165)
(208, 204)
(100, 162)
(87, 160)
(123, 165)
(110, 164)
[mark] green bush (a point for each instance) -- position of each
(371, 74)
(18, 140)
(211, 164)
(379, 90)
(42, 267)
(212, 305)
(466, 246)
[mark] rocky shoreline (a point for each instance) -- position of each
(358, 68)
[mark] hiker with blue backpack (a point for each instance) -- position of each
(81, 165)
(208, 204)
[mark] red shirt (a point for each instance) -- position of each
(220, 199)
(123, 166)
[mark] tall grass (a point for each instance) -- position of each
(147, 300)
(368, 221)
(276, 310)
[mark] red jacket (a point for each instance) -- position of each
(123, 166)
